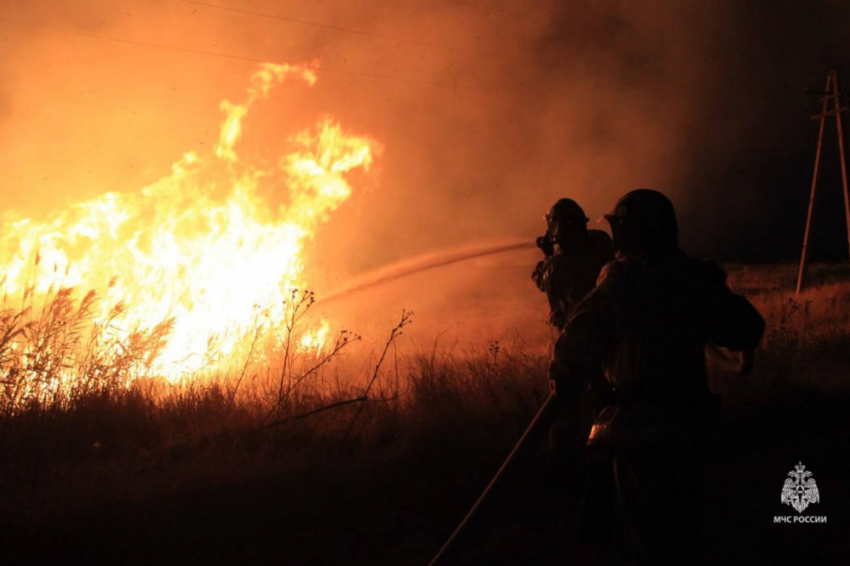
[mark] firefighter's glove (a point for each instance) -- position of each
(546, 245)
(558, 319)
(538, 274)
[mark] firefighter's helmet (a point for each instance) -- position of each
(564, 216)
(644, 220)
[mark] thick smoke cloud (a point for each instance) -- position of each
(581, 99)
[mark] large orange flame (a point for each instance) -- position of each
(200, 246)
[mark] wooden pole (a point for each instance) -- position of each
(837, 102)
(814, 187)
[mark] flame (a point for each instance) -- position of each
(201, 246)
(315, 340)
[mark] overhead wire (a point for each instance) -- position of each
(317, 68)
(339, 28)
(486, 8)
(396, 39)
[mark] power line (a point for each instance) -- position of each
(376, 76)
(486, 8)
(362, 32)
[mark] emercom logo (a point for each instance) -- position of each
(800, 491)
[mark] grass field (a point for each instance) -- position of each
(278, 462)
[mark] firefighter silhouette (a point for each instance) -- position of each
(574, 257)
(646, 325)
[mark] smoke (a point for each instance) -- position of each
(551, 99)
(592, 100)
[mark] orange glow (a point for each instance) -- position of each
(315, 340)
(201, 246)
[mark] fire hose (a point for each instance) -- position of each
(452, 550)
(460, 538)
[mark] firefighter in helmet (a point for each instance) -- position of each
(646, 324)
(574, 257)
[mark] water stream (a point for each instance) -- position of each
(425, 262)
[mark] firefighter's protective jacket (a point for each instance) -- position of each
(568, 275)
(646, 324)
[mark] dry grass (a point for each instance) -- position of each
(86, 389)
(807, 339)
(85, 427)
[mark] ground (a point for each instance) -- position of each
(122, 481)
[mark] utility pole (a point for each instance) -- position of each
(830, 93)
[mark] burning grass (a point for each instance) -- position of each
(59, 354)
(190, 270)
(58, 364)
